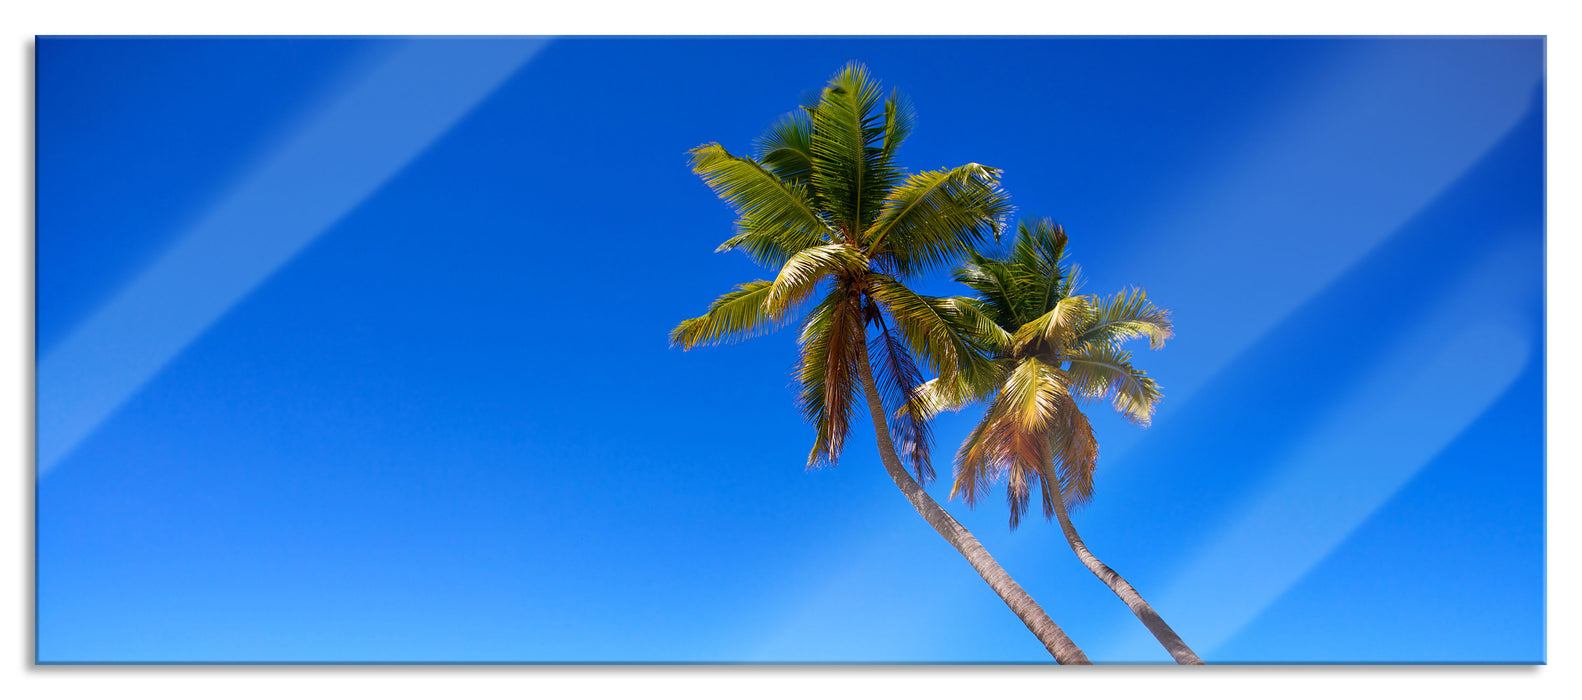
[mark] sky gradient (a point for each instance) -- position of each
(356, 351)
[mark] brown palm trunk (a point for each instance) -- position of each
(1145, 612)
(1053, 638)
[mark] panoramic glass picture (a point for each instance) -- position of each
(747, 350)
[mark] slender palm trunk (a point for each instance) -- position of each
(1130, 596)
(1053, 638)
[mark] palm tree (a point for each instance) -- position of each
(824, 203)
(1049, 347)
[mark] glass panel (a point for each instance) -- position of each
(360, 350)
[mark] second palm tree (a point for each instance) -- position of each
(1049, 347)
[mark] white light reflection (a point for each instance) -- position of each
(332, 164)
(1432, 386)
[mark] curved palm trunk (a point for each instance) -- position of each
(1140, 608)
(1031, 614)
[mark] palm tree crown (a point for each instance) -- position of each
(824, 202)
(1049, 347)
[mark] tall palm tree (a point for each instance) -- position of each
(824, 203)
(1050, 348)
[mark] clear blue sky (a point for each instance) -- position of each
(356, 351)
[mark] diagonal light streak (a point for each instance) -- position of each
(339, 158)
(1430, 388)
(1345, 167)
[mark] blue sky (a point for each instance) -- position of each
(356, 351)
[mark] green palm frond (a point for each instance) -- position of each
(984, 332)
(932, 327)
(935, 217)
(768, 245)
(1097, 371)
(1072, 281)
(1040, 247)
(850, 166)
(1038, 254)
(755, 192)
(786, 150)
(898, 119)
(993, 281)
(737, 315)
(1125, 316)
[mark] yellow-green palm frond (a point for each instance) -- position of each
(1036, 259)
(993, 281)
(935, 217)
(807, 268)
(932, 327)
(952, 394)
(1032, 393)
(786, 149)
(982, 328)
(737, 315)
(850, 167)
(1058, 327)
(1125, 316)
(755, 192)
(955, 392)
(1097, 371)
(768, 245)
(898, 381)
(930, 399)
(827, 372)
(898, 120)
(1040, 247)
